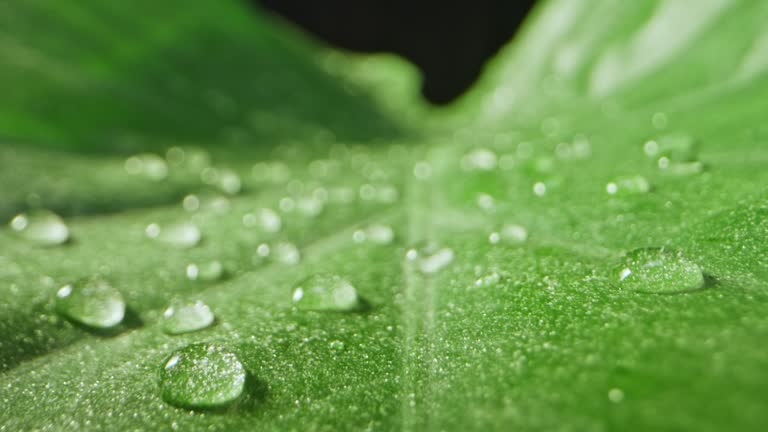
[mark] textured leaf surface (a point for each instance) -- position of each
(535, 335)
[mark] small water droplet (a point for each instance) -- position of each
(202, 376)
(615, 395)
(229, 181)
(41, 226)
(265, 218)
(509, 233)
(148, 165)
(185, 317)
(380, 234)
(224, 179)
(679, 168)
(658, 270)
(310, 206)
(209, 271)
(486, 202)
(494, 237)
(677, 147)
(286, 253)
(182, 235)
(191, 203)
(92, 302)
(490, 279)
(325, 292)
(287, 204)
(628, 185)
(659, 120)
(190, 159)
(422, 170)
(376, 233)
(539, 189)
(430, 259)
(479, 160)
(336, 345)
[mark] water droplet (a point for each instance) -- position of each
(185, 317)
(615, 395)
(148, 165)
(510, 233)
(210, 271)
(380, 234)
(488, 280)
(225, 179)
(422, 170)
(659, 120)
(191, 203)
(325, 292)
(263, 250)
(336, 345)
(430, 259)
(229, 181)
(677, 147)
(658, 270)
(183, 235)
(286, 253)
(479, 160)
(310, 206)
(41, 226)
(266, 219)
(539, 189)
(628, 185)
(486, 202)
(92, 302)
(376, 233)
(190, 159)
(679, 168)
(202, 376)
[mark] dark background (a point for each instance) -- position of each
(449, 40)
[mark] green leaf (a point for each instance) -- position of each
(530, 328)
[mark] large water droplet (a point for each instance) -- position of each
(41, 226)
(92, 302)
(658, 270)
(202, 376)
(209, 271)
(628, 185)
(430, 259)
(185, 317)
(325, 292)
(148, 165)
(183, 235)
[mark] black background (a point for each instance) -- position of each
(449, 40)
